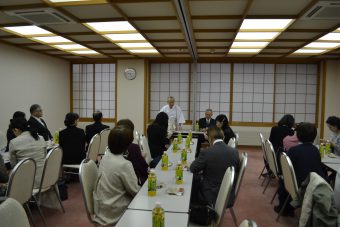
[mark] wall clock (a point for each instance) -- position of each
(130, 73)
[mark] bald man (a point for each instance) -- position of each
(176, 117)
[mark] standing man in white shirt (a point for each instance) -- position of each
(176, 117)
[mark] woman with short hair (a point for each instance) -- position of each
(333, 124)
(72, 140)
(117, 181)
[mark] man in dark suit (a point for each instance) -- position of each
(37, 123)
(206, 122)
(210, 166)
(96, 127)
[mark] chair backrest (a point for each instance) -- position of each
(51, 169)
(137, 137)
(243, 165)
(289, 177)
(262, 141)
(12, 213)
(93, 149)
(146, 149)
(248, 223)
(88, 174)
(271, 157)
(232, 142)
(104, 136)
(21, 181)
(224, 193)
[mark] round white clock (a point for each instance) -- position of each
(130, 73)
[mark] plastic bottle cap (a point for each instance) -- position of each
(152, 170)
(158, 204)
(164, 152)
(179, 162)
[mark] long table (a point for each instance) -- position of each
(331, 162)
(143, 218)
(170, 203)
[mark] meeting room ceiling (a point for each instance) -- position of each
(202, 30)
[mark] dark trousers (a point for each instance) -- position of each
(283, 196)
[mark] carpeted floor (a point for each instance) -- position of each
(250, 204)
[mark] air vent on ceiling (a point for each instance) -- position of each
(324, 10)
(41, 16)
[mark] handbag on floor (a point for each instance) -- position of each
(202, 214)
(62, 187)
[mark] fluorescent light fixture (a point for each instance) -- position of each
(256, 35)
(58, 1)
(322, 45)
(28, 30)
(84, 52)
(116, 26)
(244, 50)
(249, 44)
(309, 51)
(52, 39)
(146, 51)
(265, 24)
(333, 36)
(135, 45)
(70, 46)
(125, 37)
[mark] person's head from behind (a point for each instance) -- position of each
(162, 119)
(208, 113)
(71, 119)
(18, 114)
(126, 123)
(19, 125)
(97, 116)
(36, 110)
(306, 132)
(333, 124)
(214, 133)
(119, 139)
(287, 120)
(222, 121)
(171, 101)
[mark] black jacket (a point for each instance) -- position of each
(277, 134)
(228, 134)
(157, 139)
(72, 141)
(93, 129)
(214, 161)
(203, 123)
(39, 128)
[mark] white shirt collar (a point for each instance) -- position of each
(218, 140)
(38, 119)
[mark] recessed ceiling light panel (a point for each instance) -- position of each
(28, 30)
(115, 26)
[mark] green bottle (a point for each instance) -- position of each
(158, 216)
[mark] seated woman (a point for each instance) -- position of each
(27, 144)
(157, 137)
(333, 124)
(72, 140)
(281, 130)
(305, 159)
(134, 155)
(223, 123)
(10, 133)
(117, 181)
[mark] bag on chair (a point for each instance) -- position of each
(202, 214)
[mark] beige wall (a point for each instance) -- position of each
(130, 93)
(26, 78)
(332, 106)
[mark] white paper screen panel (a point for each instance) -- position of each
(213, 89)
(169, 80)
(296, 91)
(83, 89)
(94, 89)
(253, 92)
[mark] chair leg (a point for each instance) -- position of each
(274, 196)
(233, 216)
(37, 200)
(28, 210)
(262, 171)
(282, 208)
(264, 179)
(265, 188)
(58, 197)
